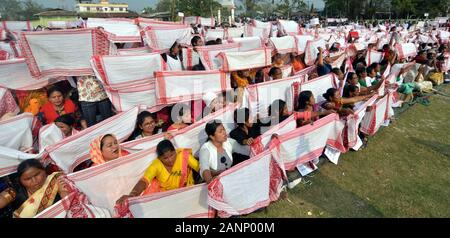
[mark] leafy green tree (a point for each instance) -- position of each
(19, 10)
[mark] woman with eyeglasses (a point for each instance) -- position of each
(146, 125)
(216, 155)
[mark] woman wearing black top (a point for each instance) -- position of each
(244, 133)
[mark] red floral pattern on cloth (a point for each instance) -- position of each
(90, 89)
(7, 103)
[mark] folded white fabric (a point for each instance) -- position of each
(134, 51)
(395, 71)
(319, 86)
(264, 94)
(74, 150)
(283, 45)
(234, 32)
(190, 57)
(311, 50)
(208, 54)
(14, 74)
(11, 158)
(373, 56)
(248, 43)
(49, 135)
(129, 96)
(62, 24)
(143, 143)
(378, 114)
(234, 61)
(340, 60)
(129, 80)
(213, 34)
(252, 31)
(16, 132)
(406, 50)
(353, 121)
(120, 71)
(121, 30)
(261, 24)
(63, 53)
(8, 104)
(167, 204)
(17, 26)
(104, 184)
(75, 205)
(145, 22)
(245, 188)
(13, 48)
(289, 27)
(194, 135)
(174, 87)
(161, 38)
(301, 42)
(260, 144)
(307, 142)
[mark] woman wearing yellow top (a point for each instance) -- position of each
(157, 177)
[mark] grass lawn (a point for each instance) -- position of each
(404, 172)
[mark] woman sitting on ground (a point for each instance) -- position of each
(243, 78)
(336, 102)
(306, 111)
(352, 79)
(57, 106)
(146, 125)
(275, 73)
(172, 169)
(105, 148)
(33, 191)
(216, 155)
(66, 124)
(298, 62)
(245, 132)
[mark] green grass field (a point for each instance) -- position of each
(404, 172)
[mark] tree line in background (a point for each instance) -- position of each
(353, 9)
(19, 10)
(395, 9)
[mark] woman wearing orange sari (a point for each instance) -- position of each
(171, 170)
(34, 190)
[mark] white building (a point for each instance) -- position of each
(104, 6)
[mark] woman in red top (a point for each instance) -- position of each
(56, 106)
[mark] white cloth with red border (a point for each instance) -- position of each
(120, 30)
(246, 187)
(283, 45)
(63, 53)
(234, 61)
(307, 142)
(74, 150)
(377, 116)
(248, 43)
(208, 54)
(173, 87)
(129, 80)
(161, 38)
